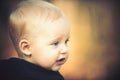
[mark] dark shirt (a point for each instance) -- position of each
(18, 69)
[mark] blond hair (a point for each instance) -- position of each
(26, 12)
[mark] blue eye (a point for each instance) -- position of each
(56, 43)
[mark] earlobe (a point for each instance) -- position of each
(24, 46)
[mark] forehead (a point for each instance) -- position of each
(58, 27)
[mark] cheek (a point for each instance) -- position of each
(43, 50)
(52, 51)
(52, 54)
(46, 52)
(48, 56)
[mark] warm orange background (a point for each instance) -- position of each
(94, 43)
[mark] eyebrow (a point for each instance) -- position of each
(59, 38)
(55, 39)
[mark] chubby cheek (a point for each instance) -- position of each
(46, 57)
(52, 55)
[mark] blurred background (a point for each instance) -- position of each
(95, 41)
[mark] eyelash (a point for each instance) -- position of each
(56, 43)
(66, 41)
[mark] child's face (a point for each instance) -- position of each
(49, 48)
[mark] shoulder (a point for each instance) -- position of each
(8, 69)
(4, 68)
(11, 63)
(8, 65)
(6, 62)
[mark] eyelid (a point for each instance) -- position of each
(66, 40)
(56, 43)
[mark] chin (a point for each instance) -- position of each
(56, 69)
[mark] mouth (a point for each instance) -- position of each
(61, 61)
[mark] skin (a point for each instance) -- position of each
(48, 45)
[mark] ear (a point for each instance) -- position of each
(25, 46)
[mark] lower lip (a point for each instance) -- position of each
(61, 62)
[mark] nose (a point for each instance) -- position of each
(64, 49)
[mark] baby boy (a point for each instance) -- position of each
(39, 32)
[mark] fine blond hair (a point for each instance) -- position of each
(25, 13)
